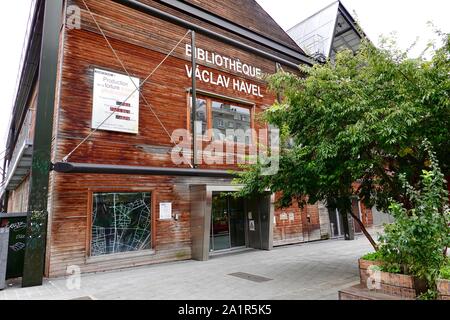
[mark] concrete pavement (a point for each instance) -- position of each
(314, 271)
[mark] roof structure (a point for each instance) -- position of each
(327, 32)
(247, 14)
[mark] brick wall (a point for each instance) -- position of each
(296, 225)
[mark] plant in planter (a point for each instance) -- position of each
(416, 242)
(443, 284)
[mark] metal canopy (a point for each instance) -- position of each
(20, 168)
(21, 156)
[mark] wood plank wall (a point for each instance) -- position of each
(141, 42)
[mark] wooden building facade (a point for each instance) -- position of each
(117, 197)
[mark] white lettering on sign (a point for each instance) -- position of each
(207, 76)
(231, 64)
(116, 99)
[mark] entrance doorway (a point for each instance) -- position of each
(228, 223)
(336, 223)
(223, 223)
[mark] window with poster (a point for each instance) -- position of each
(120, 222)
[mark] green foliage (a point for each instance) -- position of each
(416, 241)
(385, 267)
(373, 256)
(361, 118)
(445, 272)
(392, 268)
(429, 295)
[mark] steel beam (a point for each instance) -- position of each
(194, 101)
(137, 5)
(351, 22)
(39, 179)
(66, 167)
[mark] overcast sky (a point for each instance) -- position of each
(408, 18)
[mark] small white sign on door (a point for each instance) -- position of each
(251, 225)
(165, 211)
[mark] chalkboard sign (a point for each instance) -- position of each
(16, 248)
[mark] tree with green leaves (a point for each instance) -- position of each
(356, 125)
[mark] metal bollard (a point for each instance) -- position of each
(4, 241)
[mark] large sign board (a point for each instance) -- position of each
(117, 100)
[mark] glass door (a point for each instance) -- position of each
(237, 222)
(220, 224)
(227, 223)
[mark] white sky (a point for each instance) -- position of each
(13, 22)
(408, 18)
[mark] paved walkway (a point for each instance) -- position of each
(301, 272)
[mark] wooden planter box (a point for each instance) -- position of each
(443, 287)
(364, 265)
(397, 285)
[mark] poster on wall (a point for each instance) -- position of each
(165, 211)
(114, 98)
(251, 225)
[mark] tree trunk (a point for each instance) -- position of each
(348, 226)
(364, 230)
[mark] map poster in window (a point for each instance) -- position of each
(117, 100)
(165, 211)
